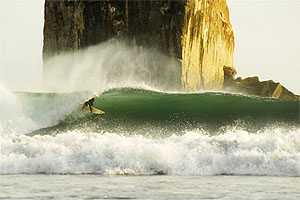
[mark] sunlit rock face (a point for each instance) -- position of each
(207, 44)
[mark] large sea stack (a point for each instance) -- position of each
(197, 32)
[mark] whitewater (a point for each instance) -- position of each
(272, 151)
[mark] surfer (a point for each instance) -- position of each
(89, 107)
(89, 104)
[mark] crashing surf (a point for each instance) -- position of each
(49, 134)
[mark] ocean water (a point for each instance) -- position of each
(149, 187)
(49, 149)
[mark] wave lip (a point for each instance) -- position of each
(273, 152)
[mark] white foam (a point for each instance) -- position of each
(274, 152)
(12, 118)
(26, 113)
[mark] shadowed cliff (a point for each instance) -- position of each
(72, 25)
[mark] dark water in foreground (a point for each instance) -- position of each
(149, 187)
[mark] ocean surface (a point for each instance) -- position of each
(148, 145)
(148, 187)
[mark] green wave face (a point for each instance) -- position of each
(138, 111)
(137, 104)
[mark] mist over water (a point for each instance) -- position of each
(22, 113)
(75, 77)
(112, 64)
(12, 117)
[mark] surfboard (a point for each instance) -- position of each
(93, 110)
(88, 107)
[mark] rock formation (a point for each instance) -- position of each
(206, 38)
(253, 86)
(71, 25)
(196, 32)
(208, 44)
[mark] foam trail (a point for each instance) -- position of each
(274, 152)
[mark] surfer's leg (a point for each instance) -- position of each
(90, 108)
(91, 103)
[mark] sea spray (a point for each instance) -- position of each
(49, 109)
(111, 64)
(12, 117)
(25, 112)
(272, 152)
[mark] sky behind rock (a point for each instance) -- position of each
(267, 41)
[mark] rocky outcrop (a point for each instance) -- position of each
(253, 86)
(208, 44)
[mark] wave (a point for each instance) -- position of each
(146, 112)
(140, 111)
(145, 104)
(148, 133)
(272, 152)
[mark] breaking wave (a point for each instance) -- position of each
(232, 151)
(273, 152)
(24, 112)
